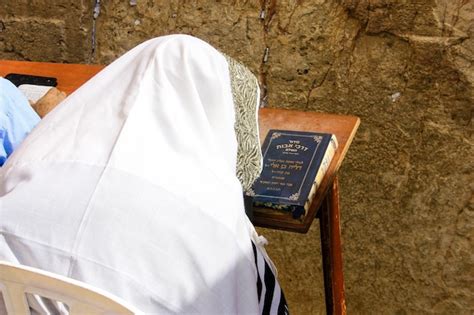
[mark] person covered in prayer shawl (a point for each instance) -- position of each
(17, 118)
(133, 184)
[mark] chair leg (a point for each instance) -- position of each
(15, 299)
(329, 219)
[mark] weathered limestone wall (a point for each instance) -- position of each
(404, 67)
(44, 30)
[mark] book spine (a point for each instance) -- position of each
(328, 155)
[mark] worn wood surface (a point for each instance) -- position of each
(70, 76)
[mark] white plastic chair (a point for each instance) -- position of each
(16, 281)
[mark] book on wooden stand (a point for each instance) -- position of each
(294, 164)
(32, 86)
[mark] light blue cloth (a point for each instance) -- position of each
(17, 118)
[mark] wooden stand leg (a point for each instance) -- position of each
(329, 218)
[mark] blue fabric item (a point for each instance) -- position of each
(17, 118)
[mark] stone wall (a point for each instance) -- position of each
(44, 30)
(404, 67)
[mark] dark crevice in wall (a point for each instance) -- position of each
(95, 16)
(268, 10)
(315, 84)
(284, 29)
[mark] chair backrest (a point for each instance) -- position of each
(16, 281)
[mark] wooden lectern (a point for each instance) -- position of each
(325, 205)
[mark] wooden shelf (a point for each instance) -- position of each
(344, 127)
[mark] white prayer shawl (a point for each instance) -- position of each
(129, 185)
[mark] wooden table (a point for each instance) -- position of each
(326, 202)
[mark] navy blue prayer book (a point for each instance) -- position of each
(294, 164)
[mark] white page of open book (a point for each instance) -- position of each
(34, 92)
